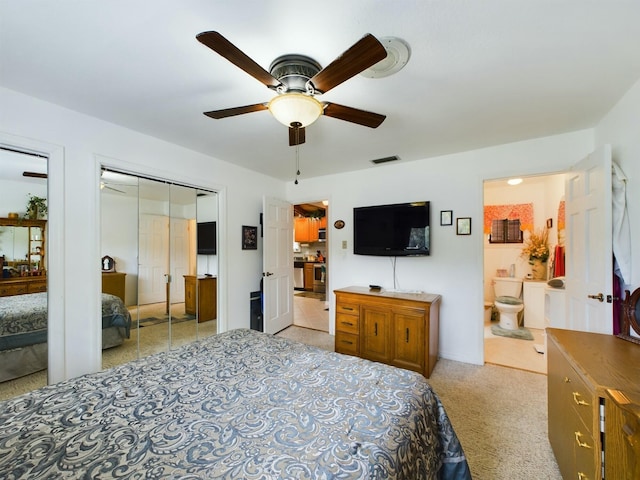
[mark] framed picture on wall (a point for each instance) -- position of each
(249, 238)
(463, 226)
(108, 264)
(446, 217)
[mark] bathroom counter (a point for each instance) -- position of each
(533, 292)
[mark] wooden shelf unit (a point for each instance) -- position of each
(33, 267)
(399, 329)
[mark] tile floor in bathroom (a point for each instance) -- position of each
(515, 353)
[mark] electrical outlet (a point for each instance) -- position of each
(344, 244)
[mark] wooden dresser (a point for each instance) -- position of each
(21, 285)
(585, 427)
(399, 329)
(114, 283)
(200, 297)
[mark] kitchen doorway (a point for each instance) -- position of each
(311, 264)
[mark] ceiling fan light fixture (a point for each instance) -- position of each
(295, 107)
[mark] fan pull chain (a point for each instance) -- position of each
(297, 161)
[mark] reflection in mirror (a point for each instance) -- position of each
(149, 228)
(119, 240)
(630, 321)
(23, 281)
(206, 272)
(182, 213)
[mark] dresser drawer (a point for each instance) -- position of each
(35, 287)
(347, 308)
(581, 399)
(585, 450)
(16, 289)
(347, 323)
(347, 343)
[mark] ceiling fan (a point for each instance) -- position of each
(297, 79)
(44, 175)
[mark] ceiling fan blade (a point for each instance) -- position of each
(34, 174)
(296, 136)
(216, 42)
(354, 115)
(364, 53)
(230, 112)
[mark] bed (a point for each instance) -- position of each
(241, 404)
(23, 331)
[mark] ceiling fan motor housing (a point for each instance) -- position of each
(294, 71)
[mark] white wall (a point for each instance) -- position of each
(119, 239)
(455, 267)
(78, 141)
(621, 128)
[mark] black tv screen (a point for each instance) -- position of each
(392, 230)
(206, 238)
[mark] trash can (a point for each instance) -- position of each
(255, 308)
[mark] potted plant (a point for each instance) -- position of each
(36, 207)
(537, 250)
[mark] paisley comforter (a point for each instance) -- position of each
(23, 318)
(241, 404)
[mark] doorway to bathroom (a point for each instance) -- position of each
(513, 211)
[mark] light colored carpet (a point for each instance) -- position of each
(500, 416)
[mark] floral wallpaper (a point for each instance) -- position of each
(523, 211)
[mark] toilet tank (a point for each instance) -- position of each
(507, 287)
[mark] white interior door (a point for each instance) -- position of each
(277, 264)
(589, 243)
(179, 262)
(154, 258)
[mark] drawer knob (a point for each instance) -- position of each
(581, 444)
(566, 380)
(582, 476)
(576, 398)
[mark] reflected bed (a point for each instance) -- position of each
(23, 331)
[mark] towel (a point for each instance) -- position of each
(558, 266)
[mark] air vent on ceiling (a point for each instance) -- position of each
(385, 159)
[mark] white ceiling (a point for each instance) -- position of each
(480, 73)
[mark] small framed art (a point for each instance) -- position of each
(108, 264)
(249, 238)
(446, 217)
(463, 226)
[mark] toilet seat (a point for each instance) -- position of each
(509, 300)
(508, 309)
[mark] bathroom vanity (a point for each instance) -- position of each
(592, 385)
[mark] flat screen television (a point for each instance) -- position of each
(392, 230)
(206, 238)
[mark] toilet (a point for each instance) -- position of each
(507, 291)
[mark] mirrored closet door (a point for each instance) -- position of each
(23, 271)
(168, 293)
